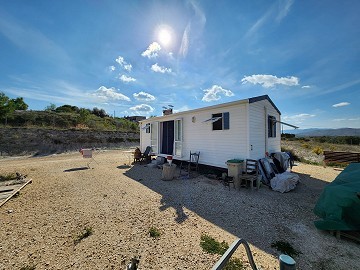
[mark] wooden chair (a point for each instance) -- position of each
(251, 173)
(137, 155)
(146, 155)
(193, 162)
(228, 180)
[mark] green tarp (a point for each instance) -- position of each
(339, 203)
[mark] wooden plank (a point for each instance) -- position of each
(341, 157)
(16, 191)
(6, 190)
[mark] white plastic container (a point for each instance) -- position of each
(234, 169)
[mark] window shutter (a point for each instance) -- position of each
(226, 118)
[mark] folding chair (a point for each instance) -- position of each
(88, 153)
(193, 162)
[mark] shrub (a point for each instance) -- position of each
(154, 232)
(86, 233)
(7, 177)
(210, 245)
(317, 150)
(305, 145)
(286, 248)
(234, 264)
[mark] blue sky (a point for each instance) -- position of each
(134, 57)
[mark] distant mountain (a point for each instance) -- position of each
(316, 132)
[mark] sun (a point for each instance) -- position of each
(165, 35)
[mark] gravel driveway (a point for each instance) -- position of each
(121, 203)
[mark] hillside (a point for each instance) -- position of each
(313, 132)
(310, 150)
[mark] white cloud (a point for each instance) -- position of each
(193, 29)
(277, 11)
(346, 119)
(152, 50)
(185, 42)
(214, 93)
(284, 9)
(268, 81)
(143, 96)
(125, 78)
(182, 109)
(105, 94)
(306, 86)
(157, 68)
(111, 68)
(121, 61)
(298, 118)
(341, 104)
(144, 108)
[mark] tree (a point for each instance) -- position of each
(51, 107)
(3, 104)
(67, 109)
(8, 106)
(99, 112)
(19, 104)
(84, 115)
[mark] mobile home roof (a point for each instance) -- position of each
(248, 100)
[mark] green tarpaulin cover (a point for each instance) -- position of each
(339, 203)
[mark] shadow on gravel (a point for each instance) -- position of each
(77, 169)
(261, 217)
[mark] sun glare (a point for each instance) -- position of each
(164, 35)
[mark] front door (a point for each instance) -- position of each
(167, 143)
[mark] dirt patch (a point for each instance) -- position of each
(121, 204)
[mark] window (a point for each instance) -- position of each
(221, 121)
(178, 137)
(271, 126)
(147, 128)
(154, 137)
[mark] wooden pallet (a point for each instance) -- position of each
(341, 157)
(7, 192)
(352, 235)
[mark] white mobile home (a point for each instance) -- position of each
(241, 129)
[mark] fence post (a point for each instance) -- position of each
(286, 262)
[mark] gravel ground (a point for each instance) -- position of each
(121, 203)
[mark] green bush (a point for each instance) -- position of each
(210, 245)
(234, 264)
(154, 232)
(286, 248)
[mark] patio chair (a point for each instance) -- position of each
(88, 153)
(137, 155)
(193, 162)
(146, 156)
(251, 173)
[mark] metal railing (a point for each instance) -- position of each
(225, 258)
(285, 262)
